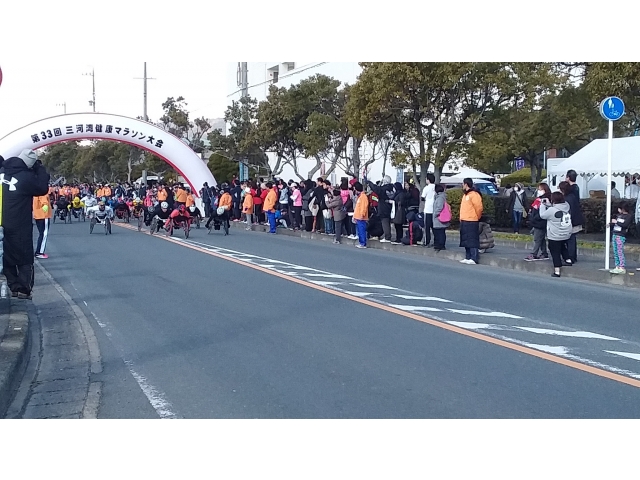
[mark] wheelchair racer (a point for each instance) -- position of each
(62, 206)
(100, 211)
(179, 215)
(224, 207)
(76, 206)
(161, 216)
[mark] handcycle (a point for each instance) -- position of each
(100, 218)
(184, 224)
(138, 214)
(61, 214)
(123, 214)
(78, 213)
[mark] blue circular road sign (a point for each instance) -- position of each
(612, 108)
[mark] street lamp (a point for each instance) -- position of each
(93, 77)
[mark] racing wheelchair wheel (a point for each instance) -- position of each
(140, 222)
(169, 229)
(83, 216)
(92, 223)
(107, 226)
(153, 227)
(187, 228)
(197, 223)
(68, 218)
(127, 217)
(225, 225)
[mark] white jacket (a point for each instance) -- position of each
(429, 194)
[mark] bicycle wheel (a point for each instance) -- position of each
(92, 224)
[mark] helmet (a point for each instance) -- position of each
(192, 208)
(182, 209)
(101, 206)
(220, 211)
(164, 205)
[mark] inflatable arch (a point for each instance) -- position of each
(102, 126)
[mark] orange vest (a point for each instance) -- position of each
(107, 191)
(181, 196)
(38, 203)
(190, 200)
(162, 195)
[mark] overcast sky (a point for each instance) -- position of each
(31, 91)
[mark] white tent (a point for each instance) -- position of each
(592, 159)
(466, 173)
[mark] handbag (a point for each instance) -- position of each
(445, 215)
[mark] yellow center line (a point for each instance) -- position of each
(419, 318)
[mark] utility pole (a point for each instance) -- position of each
(145, 78)
(93, 78)
(64, 105)
(243, 83)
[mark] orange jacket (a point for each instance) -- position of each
(247, 205)
(471, 207)
(75, 191)
(38, 203)
(190, 201)
(100, 193)
(162, 195)
(270, 202)
(107, 191)
(225, 201)
(361, 212)
(181, 196)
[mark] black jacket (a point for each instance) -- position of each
(535, 220)
(19, 186)
(236, 194)
(384, 192)
(573, 199)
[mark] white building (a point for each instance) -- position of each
(261, 75)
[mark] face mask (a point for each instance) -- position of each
(517, 189)
(540, 193)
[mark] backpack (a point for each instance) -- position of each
(445, 214)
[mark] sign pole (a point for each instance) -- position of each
(611, 109)
(608, 225)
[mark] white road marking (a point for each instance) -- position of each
(324, 284)
(328, 275)
(366, 285)
(412, 308)
(156, 398)
(633, 356)
(474, 326)
(484, 314)
(358, 294)
(549, 349)
(427, 299)
(562, 333)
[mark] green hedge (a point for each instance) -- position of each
(593, 211)
(454, 197)
(522, 176)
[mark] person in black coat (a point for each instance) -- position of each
(572, 197)
(22, 178)
(236, 197)
(401, 199)
(385, 195)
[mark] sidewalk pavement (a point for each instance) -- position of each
(506, 254)
(14, 343)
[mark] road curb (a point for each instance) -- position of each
(14, 346)
(491, 258)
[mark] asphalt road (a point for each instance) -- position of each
(260, 326)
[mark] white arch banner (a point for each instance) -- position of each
(103, 126)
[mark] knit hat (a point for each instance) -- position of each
(29, 158)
